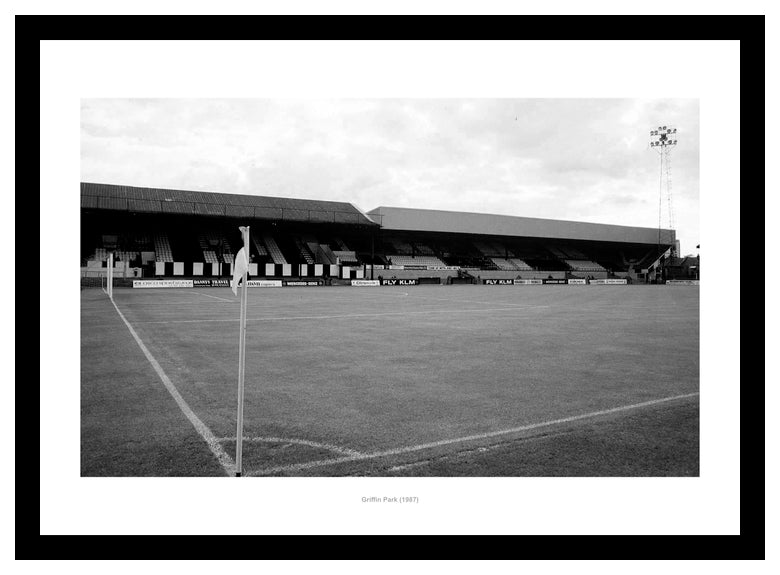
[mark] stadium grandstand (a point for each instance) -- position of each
(156, 233)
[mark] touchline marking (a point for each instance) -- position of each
(420, 447)
(351, 315)
(224, 459)
(306, 442)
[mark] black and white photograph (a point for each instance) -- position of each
(390, 287)
(396, 287)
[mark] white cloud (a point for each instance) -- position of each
(579, 159)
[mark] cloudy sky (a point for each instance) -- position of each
(574, 159)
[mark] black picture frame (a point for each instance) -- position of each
(747, 30)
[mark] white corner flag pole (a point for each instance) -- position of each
(110, 276)
(241, 359)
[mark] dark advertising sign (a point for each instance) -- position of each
(302, 283)
(399, 282)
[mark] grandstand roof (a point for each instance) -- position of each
(156, 200)
(407, 219)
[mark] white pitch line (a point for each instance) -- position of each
(211, 440)
(306, 442)
(215, 297)
(351, 315)
(189, 302)
(165, 303)
(488, 435)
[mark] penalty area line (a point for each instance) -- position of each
(211, 440)
(443, 442)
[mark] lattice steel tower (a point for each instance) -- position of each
(663, 139)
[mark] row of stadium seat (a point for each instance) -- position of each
(216, 248)
(259, 246)
(210, 257)
(346, 257)
(403, 260)
(511, 264)
(303, 251)
(273, 249)
(584, 266)
(162, 248)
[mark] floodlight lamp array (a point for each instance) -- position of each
(663, 136)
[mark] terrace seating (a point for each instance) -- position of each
(584, 266)
(162, 248)
(403, 260)
(505, 265)
(314, 248)
(325, 253)
(303, 251)
(273, 249)
(216, 243)
(511, 264)
(346, 257)
(521, 265)
(261, 251)
(210, 257)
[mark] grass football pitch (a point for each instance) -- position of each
(393, 381)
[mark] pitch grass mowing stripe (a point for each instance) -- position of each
(354, 315)
(211, 440)
(413, 448)
(415, 296)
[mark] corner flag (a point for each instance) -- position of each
(241, 266)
